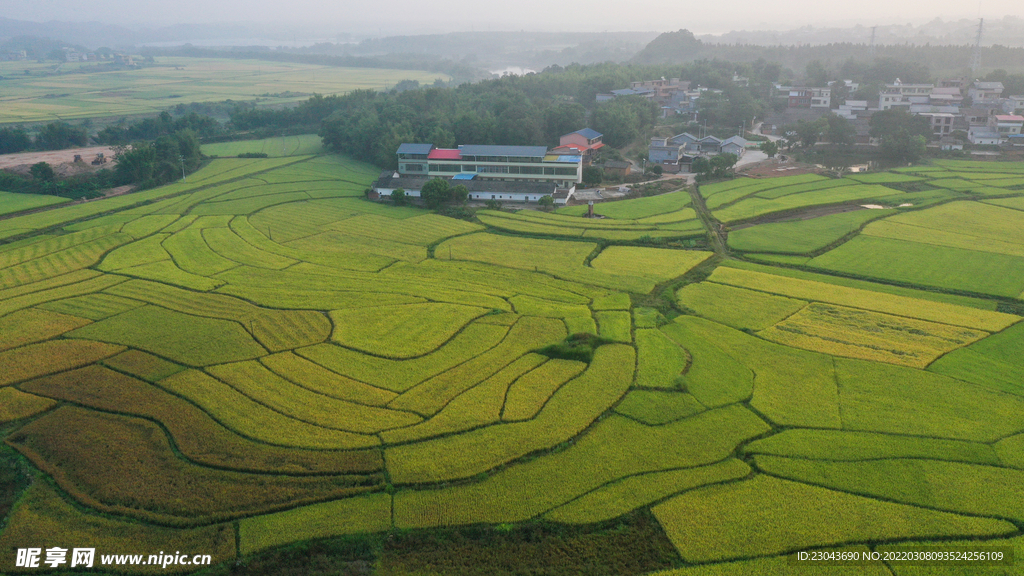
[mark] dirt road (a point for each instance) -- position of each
(54, 157)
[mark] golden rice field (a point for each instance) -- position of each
(80, 91)
(261, 357)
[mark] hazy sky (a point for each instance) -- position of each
(424, 16)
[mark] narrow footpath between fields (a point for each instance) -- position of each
(716, 231)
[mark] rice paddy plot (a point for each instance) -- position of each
(714, 377)
(181, 80)
(563, 259)
(15, 404)
(300, 145)
(43, 514)
(628, 494)
(614, 325)
(251, 419)
(802, 236)
(853, 333)
(612, 449)
(402, 331)
(34, 325)
(52, 356)
(319, 379)
(660, 361)
(793, 387)
(360, 514)
(125, 465)
(190, 340)
(528, 394)
(11, 202)
(257, 382)
(476, 407)
(62, 262)
(638, 208)
(767, 515)
(400, 375)
(894, 399)
(568, 412)
(431, 395)
(418, 230)
(737, 307)
(993, 362)
(655, 407)
(952, 486)
(655, 263)
(858, 294)
(73, 284)
(753, 207)
(197, 436)
(927, 265)
(843, 445)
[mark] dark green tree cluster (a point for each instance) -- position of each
(164, 160)
(715, 167)
(438, 192)
(831, 127)
(60, 135)
(903, 135)
(153, 128)
(14, 139)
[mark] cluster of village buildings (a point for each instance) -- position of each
(527, 173)
(501, 173)
(979, 109)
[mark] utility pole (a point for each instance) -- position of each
(872, 45)
(976, 54)
(182, 158)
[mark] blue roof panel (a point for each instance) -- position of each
(570, 158)
(463, 176)
(589, 133)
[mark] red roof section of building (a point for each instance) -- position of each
(444, 154)
(1009, 118)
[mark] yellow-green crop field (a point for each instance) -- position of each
(260, 357)
(82, 92)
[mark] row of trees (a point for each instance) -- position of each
(53, 136)
(152, 128)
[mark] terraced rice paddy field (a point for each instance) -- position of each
(260, 357)
(82, 92)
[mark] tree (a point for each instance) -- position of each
(435, 193)
(14, 140)
(889, 122)
(723, 163)
(458, 194)
(546, 202)
(770, 148)
(563, 118)
(958, 135)
(839, 130)
(701, 165)
(398, 197)
(60, 135)
(809, 132)
(816, 74)
(902, 146)
(42, 171)
(592, 176)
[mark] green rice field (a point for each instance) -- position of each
(261, 361)
(74, 93)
